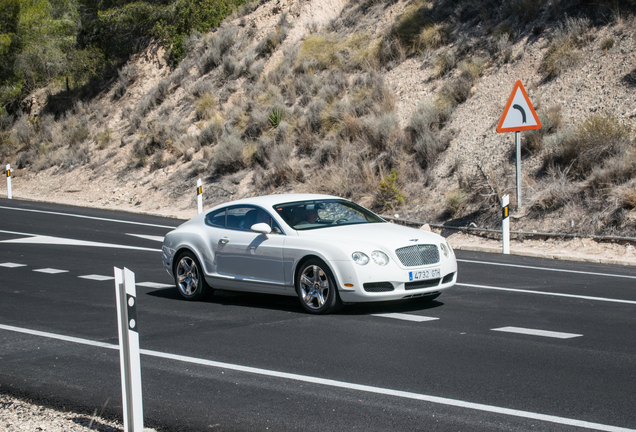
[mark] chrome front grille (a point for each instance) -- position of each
(418, 255)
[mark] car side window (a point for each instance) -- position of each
(241, 218)
(216, 218)
(244, 217)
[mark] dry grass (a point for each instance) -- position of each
(426, 138)
(434, 36)
(563, 53)
(204, 106)
(598, 138)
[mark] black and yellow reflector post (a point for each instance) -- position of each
(199, 197)
(9, 181)
(505, 222)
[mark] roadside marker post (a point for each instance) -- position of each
(521, 117)
(199, 197)
(130, 363)
(505, 222)
(9, 181)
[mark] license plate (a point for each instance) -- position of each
(424, 274)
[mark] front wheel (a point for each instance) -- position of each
(316, 288)
(189, 279)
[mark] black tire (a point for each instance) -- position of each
(316, 288)
(189, 278)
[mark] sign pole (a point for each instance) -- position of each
(9, 181)
(519, 115)
(518, 146)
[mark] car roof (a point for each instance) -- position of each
(271, 200)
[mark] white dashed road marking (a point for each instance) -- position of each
(50, 271)
(97, 277)
(147, 237)
(11, 265)
(406, 317)
(534, 332)
(153, 285)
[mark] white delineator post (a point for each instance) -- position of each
(199, 197)
(505, 222)
(129, 350)
(9, 181)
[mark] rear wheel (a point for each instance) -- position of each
(316, 288)
(189, 279)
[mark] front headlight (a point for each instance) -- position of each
(444, 249)
(360, 258)
(380, 258)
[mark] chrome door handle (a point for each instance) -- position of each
(224, 240)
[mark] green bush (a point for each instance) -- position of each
(455, 200)
(389, 194)
(275, 117)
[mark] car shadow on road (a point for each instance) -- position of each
(397, 306)
(236, 298)
(292, 304)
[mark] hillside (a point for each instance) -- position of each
(392, 104)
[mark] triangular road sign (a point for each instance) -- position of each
(519, 114)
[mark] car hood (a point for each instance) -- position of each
(387, 235)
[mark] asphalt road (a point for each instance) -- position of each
(519, 344)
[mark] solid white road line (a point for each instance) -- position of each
(406, 317)
(11, 265)
(87, 217)
(535, 332)
(97, 277)
(49, 240)
(339, 384)
(548, 293)
(548, 269)
(50, 271)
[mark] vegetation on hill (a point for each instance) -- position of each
(322, 118)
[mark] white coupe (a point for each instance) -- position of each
(324, 249)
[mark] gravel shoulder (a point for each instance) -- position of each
(18, 415)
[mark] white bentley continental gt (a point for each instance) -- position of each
(326, 250)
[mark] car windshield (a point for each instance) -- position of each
(304, 215)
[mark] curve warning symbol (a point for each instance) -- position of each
(522, 116)
(522, 111)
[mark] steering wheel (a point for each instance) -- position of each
(339, 221)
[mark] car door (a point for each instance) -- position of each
(246, 256)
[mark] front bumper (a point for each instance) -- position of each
(392, 282)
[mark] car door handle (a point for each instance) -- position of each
(224, 240)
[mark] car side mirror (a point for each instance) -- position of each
(261, 228)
